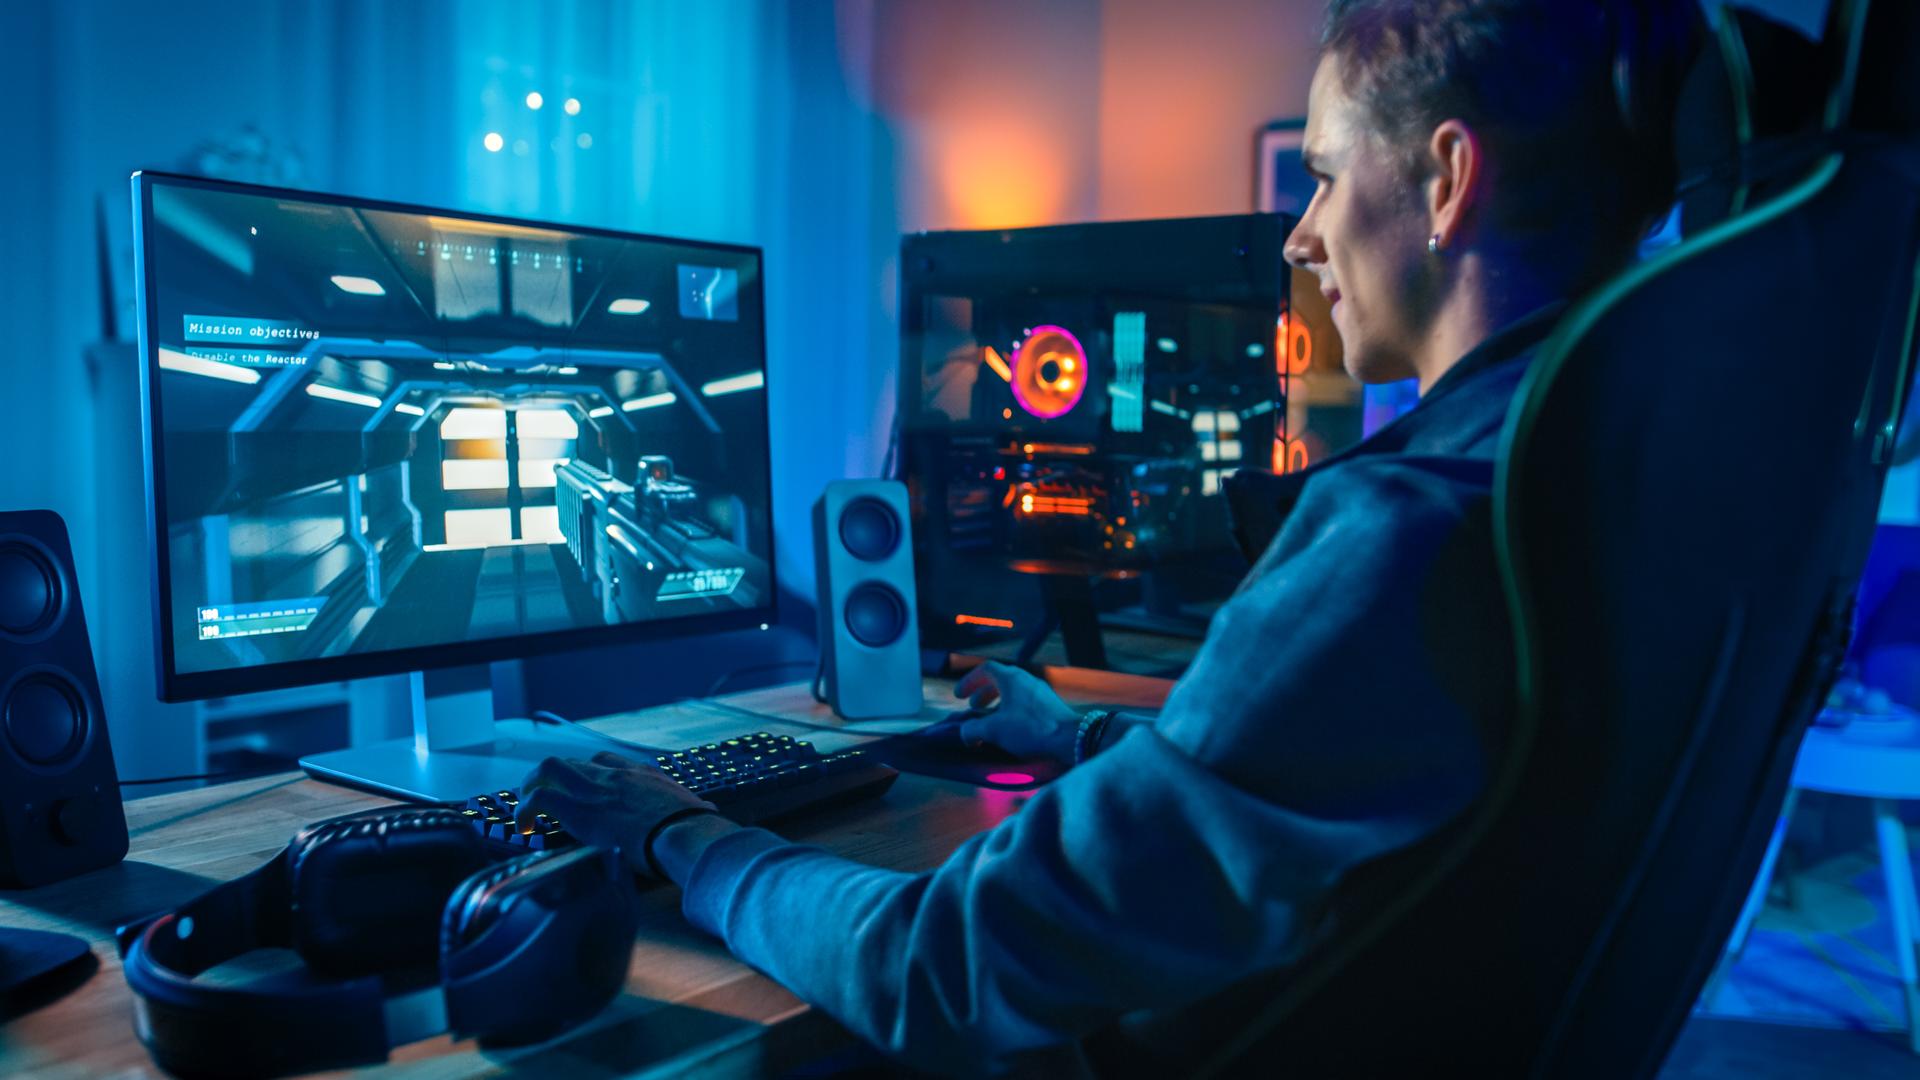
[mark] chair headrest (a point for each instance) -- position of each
(1886, 97)
(1763, 102)
(1755, 80)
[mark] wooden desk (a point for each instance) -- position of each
(689, 1006)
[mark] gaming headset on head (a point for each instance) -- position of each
(408, 928)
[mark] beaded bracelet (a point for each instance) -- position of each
(1092, 726)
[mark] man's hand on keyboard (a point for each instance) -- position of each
(610, 801)
(1031, 721)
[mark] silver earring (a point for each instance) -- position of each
(1433, 244)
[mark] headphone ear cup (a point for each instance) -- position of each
(368, 889)
(467, 913)
(563, 921)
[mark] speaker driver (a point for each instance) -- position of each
(45, 719)
(29, 591)
(875, 615)
(869, 529)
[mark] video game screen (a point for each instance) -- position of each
(378, 430)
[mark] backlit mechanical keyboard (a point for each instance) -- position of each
(752, 778)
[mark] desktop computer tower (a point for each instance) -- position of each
(1071, 398)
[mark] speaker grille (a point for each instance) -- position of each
(869, 529)
(29, 590)
(46, 721)
(875, 615)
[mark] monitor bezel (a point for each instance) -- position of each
(178, 686)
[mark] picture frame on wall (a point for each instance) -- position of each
(1281, 186)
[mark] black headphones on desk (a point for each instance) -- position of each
(408, 928)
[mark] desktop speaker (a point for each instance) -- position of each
(60, 810)
(869, 628)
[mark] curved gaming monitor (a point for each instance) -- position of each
(386, 438)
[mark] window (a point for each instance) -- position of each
(477, 456)
(474, 424)
(479, 528)
(1217, 433)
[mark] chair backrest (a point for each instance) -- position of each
(1684, 560)
(1687, 486)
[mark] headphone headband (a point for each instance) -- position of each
(562, 921)
(234, 1030)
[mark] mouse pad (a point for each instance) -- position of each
(950, 759)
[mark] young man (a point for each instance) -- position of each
(1474, 170)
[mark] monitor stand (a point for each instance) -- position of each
(457, 750)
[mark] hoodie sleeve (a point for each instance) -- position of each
(1312, 733)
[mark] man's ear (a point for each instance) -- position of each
(1459, 170)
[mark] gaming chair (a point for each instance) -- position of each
(1685, 495)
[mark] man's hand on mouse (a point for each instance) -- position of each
(1031, 721)
(611, 800)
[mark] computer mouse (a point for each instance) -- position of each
(939, 750)
(943, 739)
(947, 729)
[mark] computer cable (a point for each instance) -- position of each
(543, 716)
(837, 729)
(893, 450)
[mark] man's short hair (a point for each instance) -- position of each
(1574, 97)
